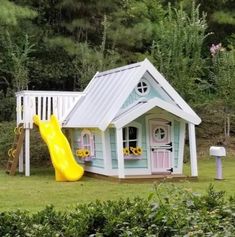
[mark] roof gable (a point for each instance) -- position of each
(105, 94)
(108, 91)
(155, 91)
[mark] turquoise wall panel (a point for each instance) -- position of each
(97, 161)
(153, 93)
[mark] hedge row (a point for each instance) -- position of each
(169, 211)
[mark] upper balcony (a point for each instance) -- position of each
(44, 103)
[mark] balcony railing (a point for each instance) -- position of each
(44, 103)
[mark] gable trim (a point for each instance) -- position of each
(142, 108)
(157, 76)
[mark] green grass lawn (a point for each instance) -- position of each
(40, 189)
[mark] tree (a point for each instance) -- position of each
(132, 28)
(14, 54)
(220, 18)
(223, 75)
(18, 59)
(70, 43)
(11, 14)
(177, 50)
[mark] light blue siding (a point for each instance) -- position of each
(98, 160)
(130, 164)
(153, 93)
(176, 143)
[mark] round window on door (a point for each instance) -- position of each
(159, 134)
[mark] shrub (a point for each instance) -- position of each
(6, 139)
(169, 211)
(7, 106)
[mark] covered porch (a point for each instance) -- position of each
(185, 119)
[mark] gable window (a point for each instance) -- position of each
(142, 87)
(132, 136)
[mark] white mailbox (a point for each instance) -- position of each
(217, 151)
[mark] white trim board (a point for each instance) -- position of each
(142, 108)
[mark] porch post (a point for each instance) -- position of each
(193, 150)
(121, 172)
(21, 160)
(27, 155)
(107, 151)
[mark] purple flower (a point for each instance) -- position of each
(214, 49)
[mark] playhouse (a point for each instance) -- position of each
(128, 121)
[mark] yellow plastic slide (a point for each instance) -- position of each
(66, 167)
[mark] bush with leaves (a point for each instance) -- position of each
(169, 211)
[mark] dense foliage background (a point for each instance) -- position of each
(60, 44)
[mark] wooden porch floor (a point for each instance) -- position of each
(143, 178)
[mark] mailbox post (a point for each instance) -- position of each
(218, 153)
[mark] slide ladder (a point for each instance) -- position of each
(66, 167)
(14, 151)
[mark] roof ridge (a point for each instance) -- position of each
(119, 69)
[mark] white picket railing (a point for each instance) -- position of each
(44, 103)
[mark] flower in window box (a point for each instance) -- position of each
(126, 151)
(139, 150)
(86, 153)
(79, 152)
(136, 150)
(83, 153)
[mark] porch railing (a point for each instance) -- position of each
(44, 103)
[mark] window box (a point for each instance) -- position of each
(132, 157)
(84, 160)
(87, 159)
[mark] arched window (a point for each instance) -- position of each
(87, 141)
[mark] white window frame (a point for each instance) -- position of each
(142, 92)
(139, 134)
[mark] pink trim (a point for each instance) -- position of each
(90, 144)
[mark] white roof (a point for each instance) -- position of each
(107, 92)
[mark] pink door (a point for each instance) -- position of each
(160, 145)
